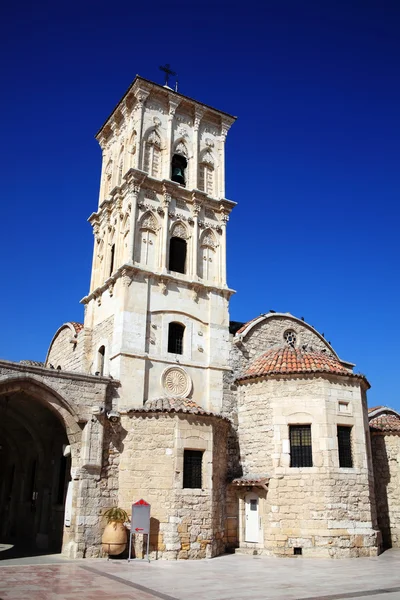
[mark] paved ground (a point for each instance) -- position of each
(224, 578)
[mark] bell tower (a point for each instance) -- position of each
(156, 314)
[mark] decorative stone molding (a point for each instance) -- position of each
(176, 382)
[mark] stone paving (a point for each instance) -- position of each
(225, 578)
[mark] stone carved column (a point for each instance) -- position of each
(195, 171)
(196, 212)
(224, 220)
(141, 97)
(134, 190)
(221, 179)
(173, 105)
(164, 247)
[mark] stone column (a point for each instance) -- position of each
(141, 98)
(164, 237)
(173, 105)
(134, 190)
(221, 166)
(196, 212)
(222, 262)
(195, 171)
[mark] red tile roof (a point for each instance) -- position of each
(374, 408)
(178, 405)
(285, 360)
(250, 480)
(245, 326)
(77, 326)
(387, 423)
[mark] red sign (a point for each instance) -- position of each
(141, 503)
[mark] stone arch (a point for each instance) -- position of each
(208, 256)
(37, 419)
(63, 410)
(132, 148)
(149, 221)
(179, 230)
(74, 328)
(148, 240)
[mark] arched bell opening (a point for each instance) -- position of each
(178, 168)
(35, 470)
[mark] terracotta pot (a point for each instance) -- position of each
(114, 538)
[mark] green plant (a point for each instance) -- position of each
(116, 514)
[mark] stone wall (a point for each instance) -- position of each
(386, 460)
(185, 523)
(324, 509)
(67, 350)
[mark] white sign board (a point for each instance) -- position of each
(140, 523)
(140, 520)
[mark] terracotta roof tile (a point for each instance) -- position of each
(374, 408)
(243, 327)
(177, 405)
(385, 422)
(285, 360)
(77, 326)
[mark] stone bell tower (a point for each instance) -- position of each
(157, 311)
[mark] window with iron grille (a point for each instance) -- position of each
(300, 446)
(192, 466)
(175, 338)
(344, 445)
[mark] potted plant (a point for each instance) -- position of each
(115, 536)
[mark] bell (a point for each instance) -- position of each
(177, 175)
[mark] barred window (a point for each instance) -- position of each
(192, 467)
(175, 338)
(300, 446)
(344, 445)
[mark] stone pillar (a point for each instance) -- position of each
(173, 105)
(141, 98)
(195, 171)
(196, 212)
(164, 236)
(222, 262)
(221, 166)
(134, 190)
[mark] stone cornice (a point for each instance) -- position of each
(181, 363)
(130, 270)
(55, 373)
(143, 87)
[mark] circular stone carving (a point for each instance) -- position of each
(176, 382)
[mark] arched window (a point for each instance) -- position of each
(207, 256)
(108, 178)
(100, 360)
(152, 154)
(178, 168)
(206, 174)
(131, 149)
(112, 259)
(175, 338)
(148, 239)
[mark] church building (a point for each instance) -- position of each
(249, 437)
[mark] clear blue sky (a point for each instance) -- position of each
(313, 160)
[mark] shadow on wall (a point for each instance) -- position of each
(382, 480)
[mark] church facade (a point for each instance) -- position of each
(250, 437)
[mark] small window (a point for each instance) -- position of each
(192, 467)
(177, 255)
(178, 166)
(300, 446)
(175, 338)
(112, 259)
(290, 337)
(344, 444)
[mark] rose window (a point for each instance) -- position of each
(290, 337)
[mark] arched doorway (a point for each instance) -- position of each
(35, 467)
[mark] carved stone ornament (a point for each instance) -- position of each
(209, 143)
(149, 222)
(179, 230)
(207, 159)
(208, 240)
(176, 383)
(182, 150)
(163, 286)
(154, 139)
(156, 122)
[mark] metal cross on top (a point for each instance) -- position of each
(167, 70)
